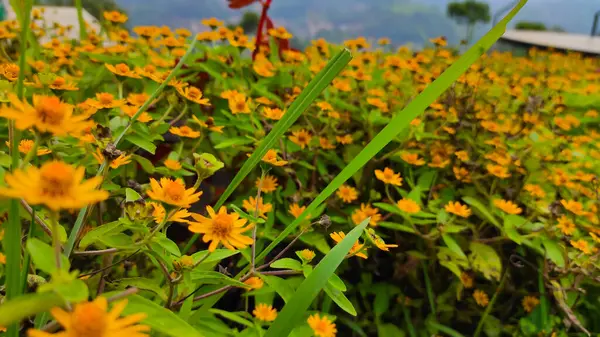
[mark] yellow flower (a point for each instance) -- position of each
(301, 138)
(48, 114)
(462, 155)
(573, 206)
(137, 99)
(60, 83)
(582, 245)
(122, 69)
(296, 210)
(412, 158)
(193, 94)
(388, 176)
(91, 319)
(306, 255)
(274, 114)
(356, 248)
(507, 206)
(184, 131)
(409, 206)
(265, 312)
(221, 227)
(458, 209)
(364, 212)
(566, 226)
(322, 326)
(325, 144)
(263, 66)
(119, 161)
(535, 190)
(172, 164)
(105, 100)
(238, 104)
(529, 303)
(130, 111)
(159, 212)
(498, 171)
(271, 158)
(347, 193)
(268, 184)
(481, 298)
(26, 145)
(280, 33)
(172, 192)
(466, 280)
(254, 283)
(10, 71)
(212, 22)
(252, 205)
(56, 185)
(2, 258)
(378, 241)
(209, 123)
(115, 16)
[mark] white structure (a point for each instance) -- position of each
(546, 39)
(65, 15)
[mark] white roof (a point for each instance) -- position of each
(565, 41)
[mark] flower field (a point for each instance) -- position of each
(158, 182)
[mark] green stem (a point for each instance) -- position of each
(489, 307)
(82, 30)
(162, 118)
(411, 328)
(55, 239)
(430, 295)
(13, 230)
(81, 216)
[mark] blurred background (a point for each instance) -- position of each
(403, 21)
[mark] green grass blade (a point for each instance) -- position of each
(402, 119)
(82, 30)
(448, 331)
(13, 230)
(294, 310)
(308, 95)
(81, 216)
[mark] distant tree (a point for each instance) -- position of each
(469, 13)
(528, 25)
(249, 22)
(94, 7)
(557, 29)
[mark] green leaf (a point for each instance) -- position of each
(213, 277)
(217, 255)
(389, 208)
(100, 232)
(167, 244)
(293, 311)
(281, 286)
(74, 291)
(397, 226)
(482, 210)
(336, 282)
(131, 195)
(159, 319)
(232, 317)
(144, 284)
(484, 259)
(389, 330)
(42, 255)
(340, 299)
(233, 142)
(28, 305)
(448, 331)
(304, 100)
(554, 252)
(510, 229)
(141, 142)
(451, 243)
(287, 263)
(144, 163)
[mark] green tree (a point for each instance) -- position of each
(249, 22)
(528, 25)
(469, 13)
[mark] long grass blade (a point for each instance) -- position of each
(13, 230)
(402, 120)
(294, 309)
(308, 95)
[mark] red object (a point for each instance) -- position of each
(236, 4)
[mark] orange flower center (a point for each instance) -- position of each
(222, 225)
(185, 130)
(105, 98)
(50, 110)
(89, 320)
(25, 145)
(11, 71)
(194, 93)
(122, 68)
(174, 190)
(56, 179)
(59, 81)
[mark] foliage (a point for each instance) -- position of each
(527, 25)
(469, 13)
(478, 216)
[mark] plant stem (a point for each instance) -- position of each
(411, 328)
(282, 252)
(489, 307)
(37, 219)
(430, 295)
(254, 230)
(81, 216)
(56, 239)
(82, 29)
